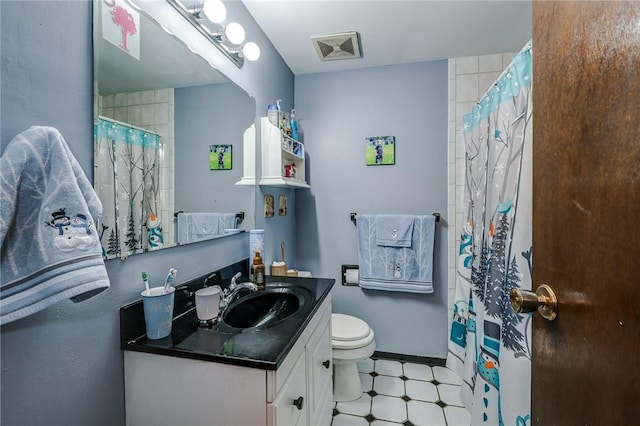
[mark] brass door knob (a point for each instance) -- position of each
(544, 300)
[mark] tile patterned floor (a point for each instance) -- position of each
(404, 393)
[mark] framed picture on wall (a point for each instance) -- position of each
(268, 206)
(220, 157)
(380, 150)
(282, 205)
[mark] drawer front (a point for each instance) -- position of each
(320, 368)
(284, 411)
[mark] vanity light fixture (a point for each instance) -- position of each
(234, 33)
(215, 11)
(208, 17)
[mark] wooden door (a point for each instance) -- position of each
(586, 213)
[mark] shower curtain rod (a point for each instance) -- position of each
(504, 72)
(353, 217)
(111, 120)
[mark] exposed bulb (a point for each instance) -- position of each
(215, 11)
(251, 51)
(234, 33)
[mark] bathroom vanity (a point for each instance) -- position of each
(274, 375)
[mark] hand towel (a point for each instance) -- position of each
(50, 247)
(200, 226)
(405, 269)
(394, 230)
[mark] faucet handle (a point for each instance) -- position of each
(233, 280)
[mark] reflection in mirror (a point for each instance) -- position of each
(170, 134)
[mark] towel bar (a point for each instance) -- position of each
(353, 217)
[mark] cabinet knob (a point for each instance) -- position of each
(326, 364)
(299, 402)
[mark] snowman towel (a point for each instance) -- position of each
(50, 248)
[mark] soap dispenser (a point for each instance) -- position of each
(258, 271)
(280, 114)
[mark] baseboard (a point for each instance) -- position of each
(411, 358)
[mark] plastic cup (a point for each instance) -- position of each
(208, 303)
(158, 311)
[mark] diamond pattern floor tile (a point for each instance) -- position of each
(347, 420)
(457, 416)
(388, 408)
(385, 423)
(425, 414)
(367, 382)
(450, 394)
(360, 407)
(417, 371)
(423, 391)
(401, 393)
(390, 386)
(388, 368)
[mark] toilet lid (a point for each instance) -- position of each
(348, 328)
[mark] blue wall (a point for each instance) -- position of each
(63, 365)
(337, 111)
(211, 115)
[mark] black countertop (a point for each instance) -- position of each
(263, 348)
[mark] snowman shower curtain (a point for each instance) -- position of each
(127, 180)
(489, 346)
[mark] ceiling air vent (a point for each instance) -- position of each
(337, 46)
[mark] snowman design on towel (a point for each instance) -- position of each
(72, 233)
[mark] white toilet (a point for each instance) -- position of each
(352, 341)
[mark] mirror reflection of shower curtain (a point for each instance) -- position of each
(489, 345)
(127, 180)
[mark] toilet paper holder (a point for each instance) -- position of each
(345, 269)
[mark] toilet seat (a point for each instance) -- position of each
(349, 332)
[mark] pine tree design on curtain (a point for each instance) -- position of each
(127, 174)
(492, 352)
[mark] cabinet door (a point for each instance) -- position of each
(290, 406)
(319, 371)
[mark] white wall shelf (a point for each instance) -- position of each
(248, 157)
(279, 153)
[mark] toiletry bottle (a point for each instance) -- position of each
(272, 114)
(287, 125)
(257, 271)
(293, 123)
(280, 114)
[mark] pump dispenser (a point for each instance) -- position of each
(258, 271)
(280, 114)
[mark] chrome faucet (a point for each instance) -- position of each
(233, 280)
(232, 292)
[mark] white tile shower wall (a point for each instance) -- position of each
(469, 79)
(152, 110)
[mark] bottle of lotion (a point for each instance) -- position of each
(258, 271)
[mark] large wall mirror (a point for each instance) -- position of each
(170, 136)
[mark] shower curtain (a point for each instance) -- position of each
(489, 346)
(127, 180)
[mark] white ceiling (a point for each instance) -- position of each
(392, 31)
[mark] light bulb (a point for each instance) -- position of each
(251, 51)
(234, 33)
(214, 10)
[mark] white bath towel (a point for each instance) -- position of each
(50, 247)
